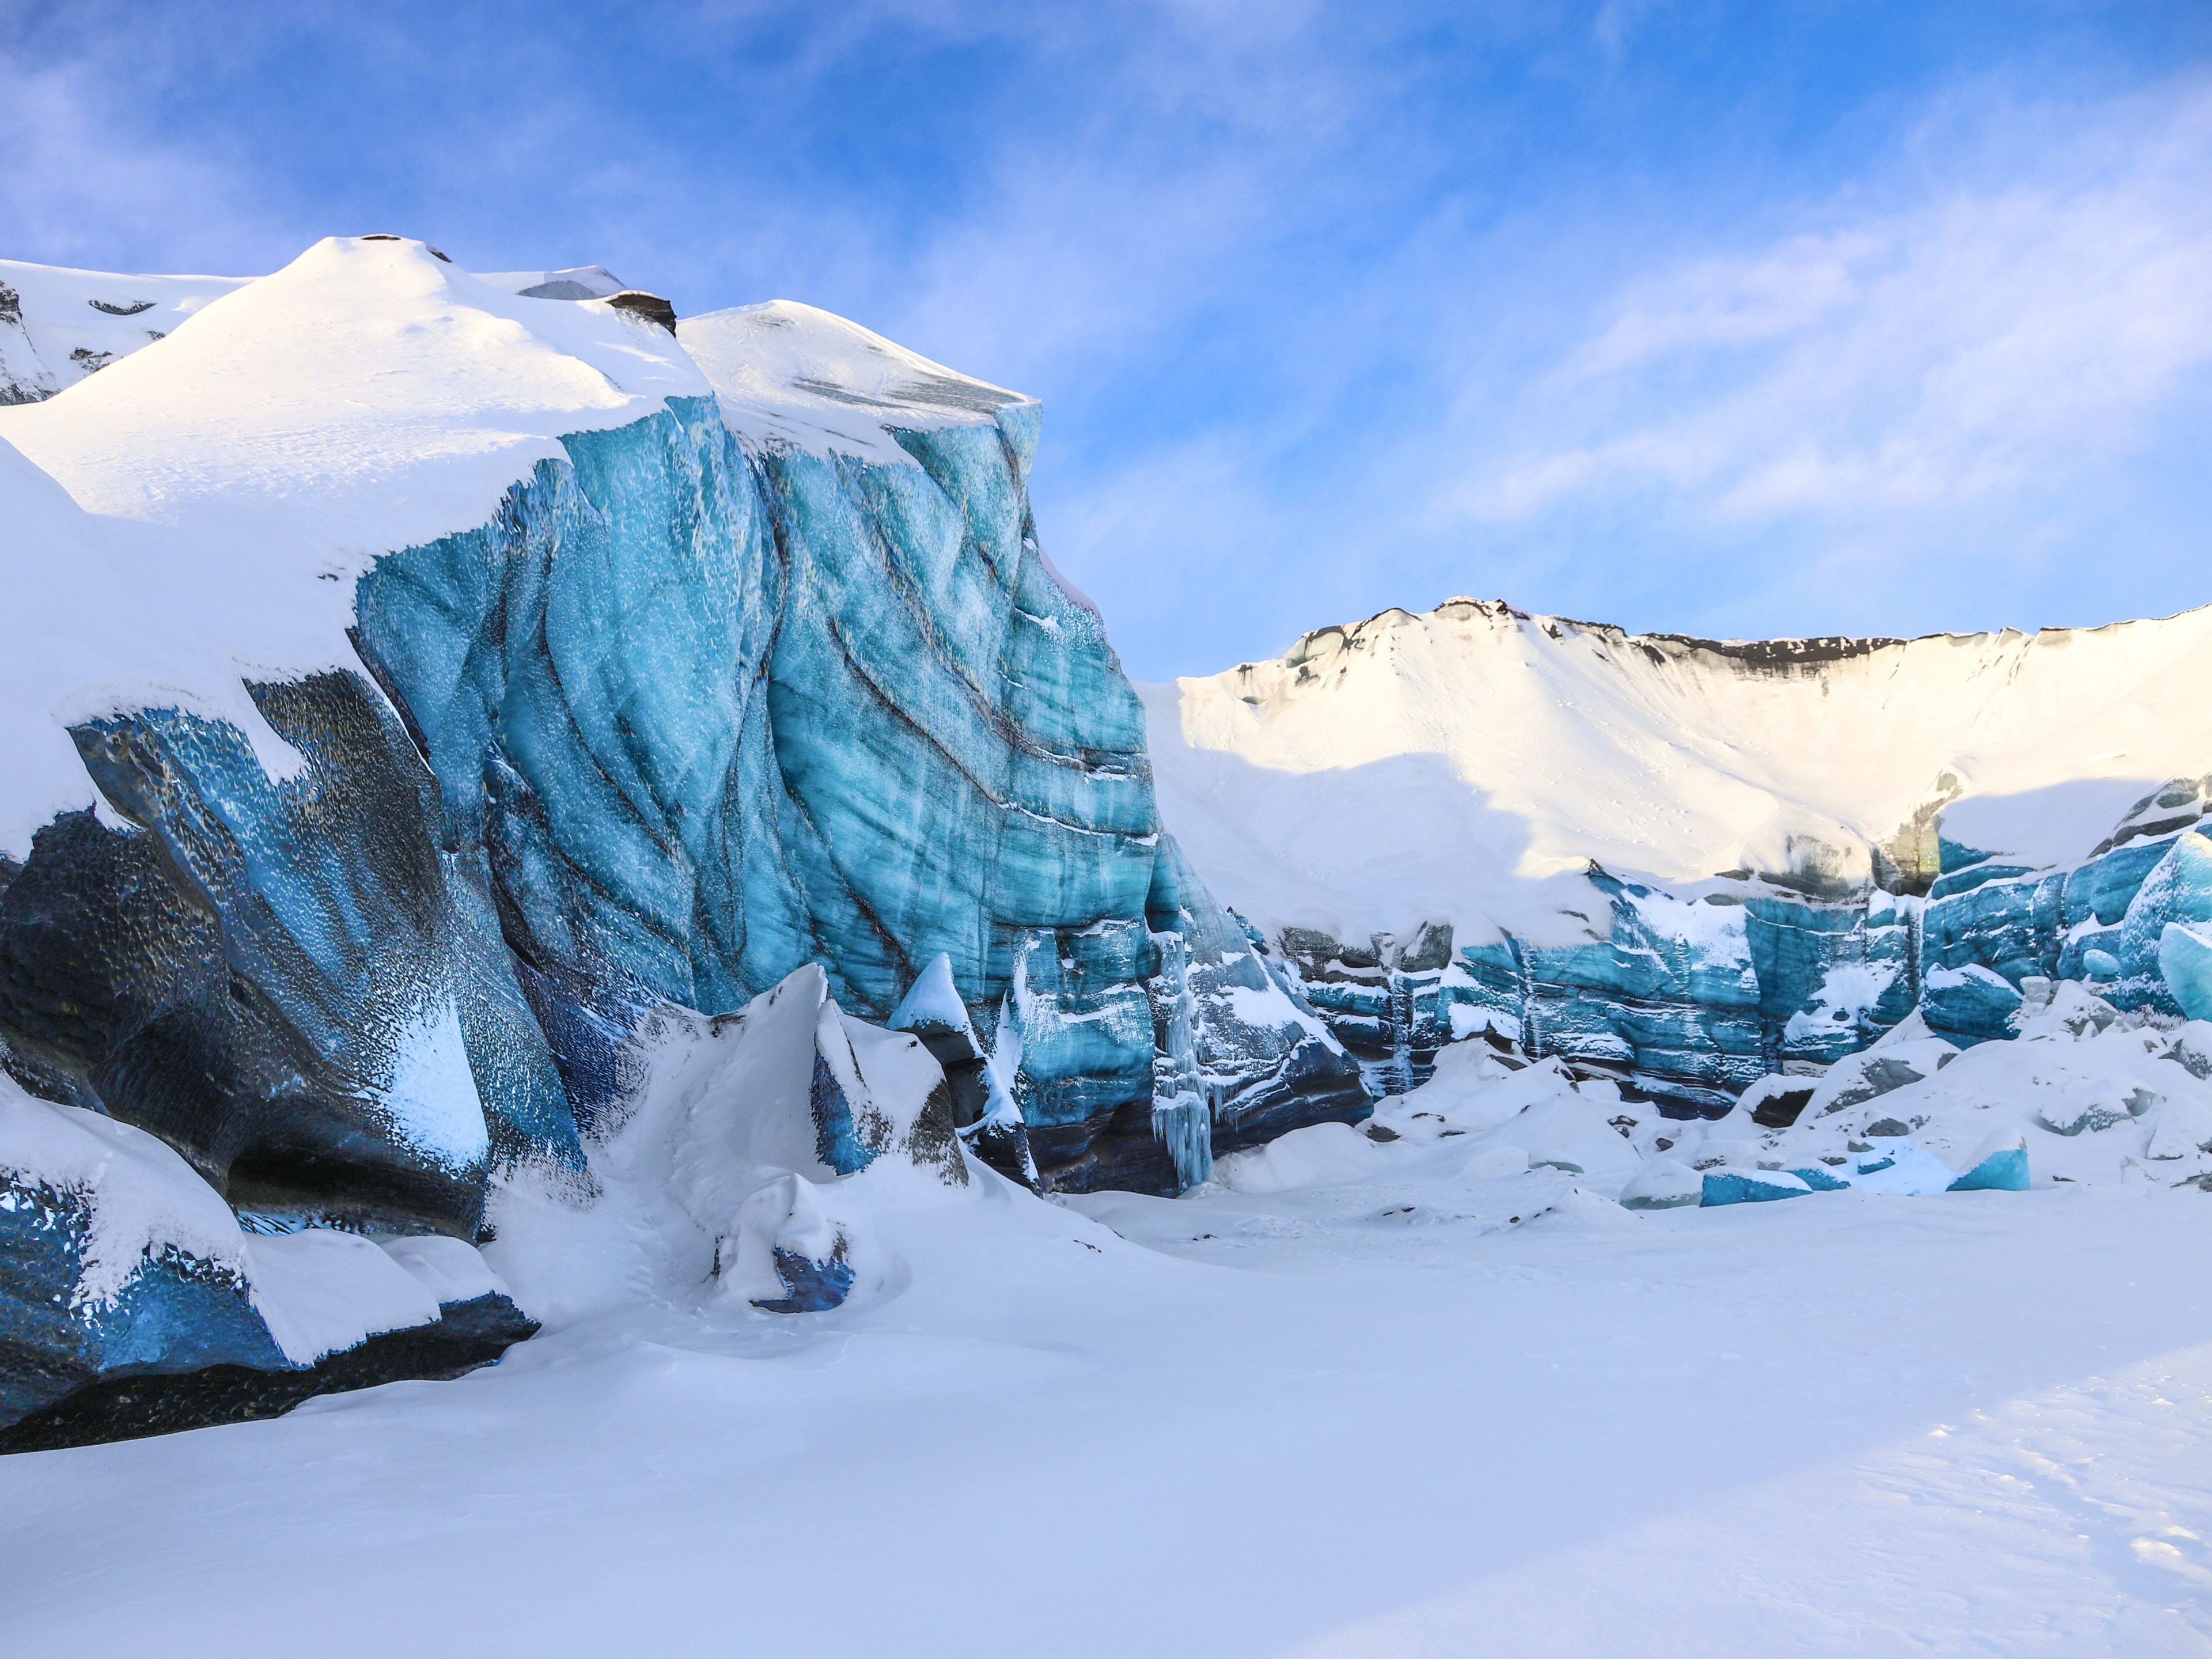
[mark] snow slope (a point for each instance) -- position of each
(795, 376)
(1453, 765)
(59, 325)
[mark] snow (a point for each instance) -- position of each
(450, 1270)
(1390, 1416)
(1468, 763)
(432, 1096)
(142, 1197)
(717, 1160)
(573, 282)
(319, 1292)
(1481, 1374)
(205, 503)
(933, 1000)
(63, 325)
(794, 377)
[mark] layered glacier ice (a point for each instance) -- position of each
(456, 678)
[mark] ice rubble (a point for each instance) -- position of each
(2080, 1095)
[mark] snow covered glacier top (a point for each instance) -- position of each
(805, 378)
(219, 487)
(1464, 764)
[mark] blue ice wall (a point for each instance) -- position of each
(1688, 998)
(682, 716)
(699, 716)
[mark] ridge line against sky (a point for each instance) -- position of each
(1725, 319)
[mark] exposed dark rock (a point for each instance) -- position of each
(650, 307)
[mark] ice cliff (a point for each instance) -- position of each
(416, 686)
(1687, 865)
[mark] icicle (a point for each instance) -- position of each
(1185, 1126)
(1182, 1107)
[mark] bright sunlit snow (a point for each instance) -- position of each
(1455, 765)
(1438, 1409)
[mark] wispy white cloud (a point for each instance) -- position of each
(77, 165)
(1989, 336)
(1334, 307)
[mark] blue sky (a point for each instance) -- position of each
(1733, 320)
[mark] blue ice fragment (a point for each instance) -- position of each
(1820, 1180)
(2184, 961)
(1751, 1186)
(2000, 1172)
(814, 1286)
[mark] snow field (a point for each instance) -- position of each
(1384, 1415)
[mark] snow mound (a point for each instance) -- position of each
(794, 377)
(749, 1159)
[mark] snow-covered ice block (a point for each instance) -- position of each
(123, 1273)
(1721, 1187)
(322, 1290)
(787, 1253)
(1903, 1169)
(1662, 1184)
(2001, 1170)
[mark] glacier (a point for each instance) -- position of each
(421, 686)
(1688, 866)
(515, 799)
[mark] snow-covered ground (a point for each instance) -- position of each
(1434, 1408)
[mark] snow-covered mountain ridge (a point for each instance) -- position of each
(1696, 860)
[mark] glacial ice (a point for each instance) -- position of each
(1688, 865)
(1724, 1187)
(123, 1271)
(523, 774)
(496, 680)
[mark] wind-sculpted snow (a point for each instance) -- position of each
(420, 685)
(1690, 865)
